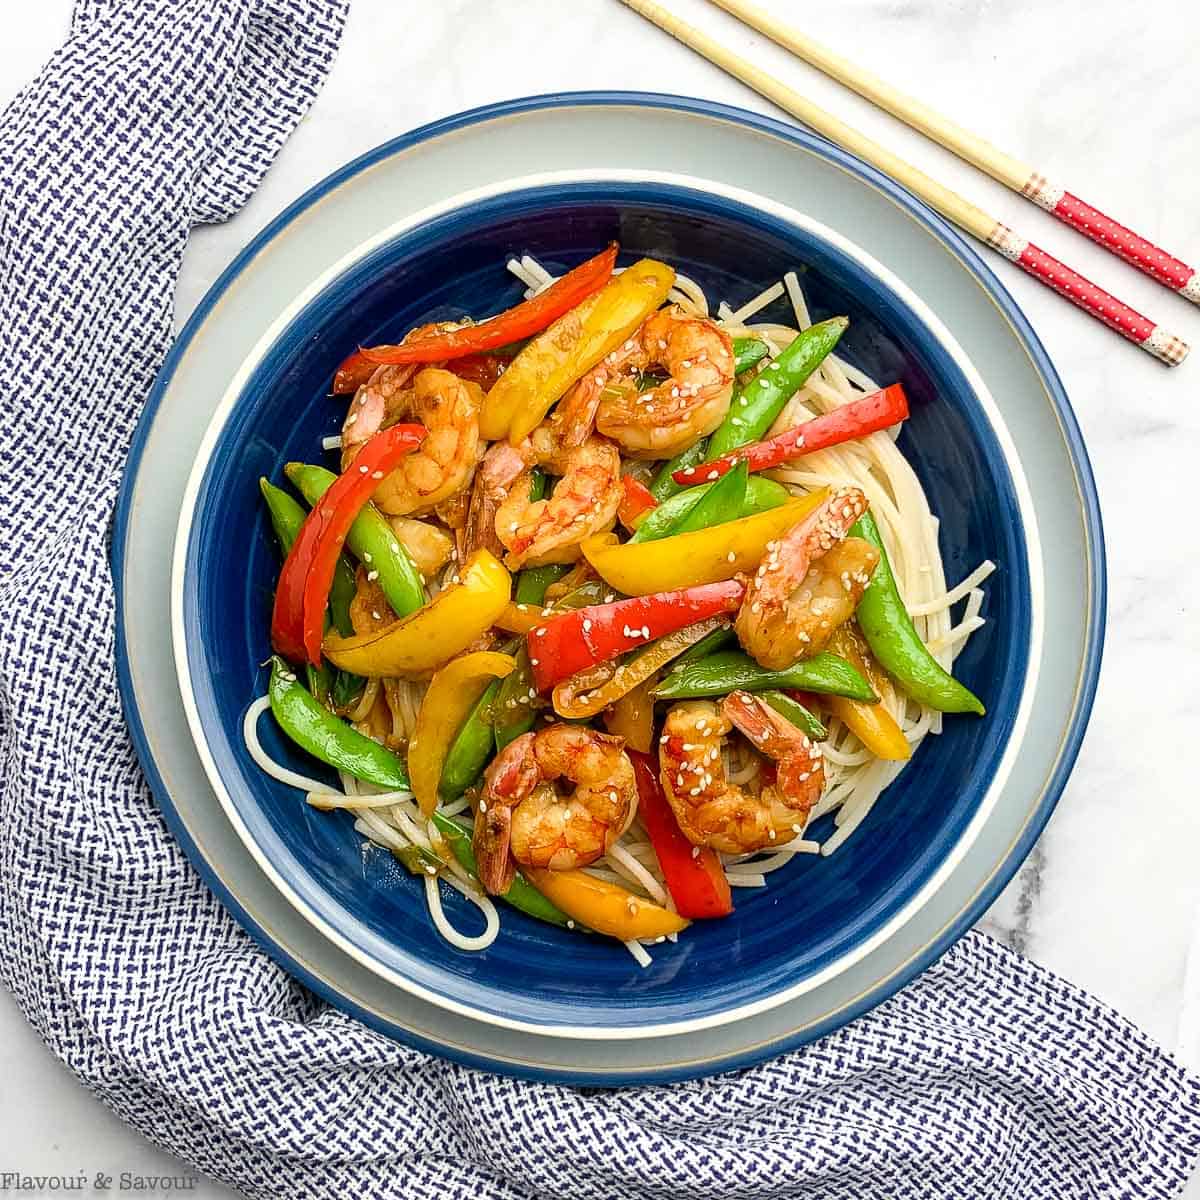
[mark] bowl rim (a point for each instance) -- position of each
(903, 295)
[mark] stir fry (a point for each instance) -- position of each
(611, 603)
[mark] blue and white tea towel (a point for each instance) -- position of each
(986, 1078)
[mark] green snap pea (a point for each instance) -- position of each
(533, 582)
(721, 673)
(800, 716)
(663, 486)
(521, 895)
(370, 540)
(327, 737)
(756, 406)
(417, 860)
(286, 518)
(514, 711)
(710, 643)
(472, 746)
(723, 502)
(761, 494)
(894, 641)
(747, 352)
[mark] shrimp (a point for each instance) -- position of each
(502, 465)
(809, 583)
(584, 502)
(522, 819)
(698, 358)
(442, 466)
(713, 812)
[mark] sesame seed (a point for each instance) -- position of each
(376, 474)
(366, 556)
(362, 470)
(533, 662)
(731, 557)
(372, 576)
(483, 806)
(570, 924)
(375, 614)
(695, 851)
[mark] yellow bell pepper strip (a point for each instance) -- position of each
(521, 618)
(689, 559)
(575, 343)
(631, 717)
(872, 724)
(591, 690)
(432, 635)
(451, 695)
(604, 907)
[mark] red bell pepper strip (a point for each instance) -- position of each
(574, 641)
(354, 371)
(637, 502)
(483, 369)
(527, 318)
(693, 874)
(868, 414)
(298, 619)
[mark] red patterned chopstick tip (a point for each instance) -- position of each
(1113, 236)
(1086, 295)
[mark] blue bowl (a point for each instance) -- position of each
(816, 915)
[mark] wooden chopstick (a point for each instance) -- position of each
(1140, 330)
(1012, 172)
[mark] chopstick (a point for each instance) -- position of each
(1010, 171)
(1081, 292)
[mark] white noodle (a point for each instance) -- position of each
(955, 594)
(640, 954)
(333, 442)
(328, 801)
(622, 861)
(463, 941)
(738, 879)
(757, 304)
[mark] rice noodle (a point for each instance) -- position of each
(333, 442)
(854, 779)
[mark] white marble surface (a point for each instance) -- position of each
(1102, 95)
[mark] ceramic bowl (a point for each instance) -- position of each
(817, 916)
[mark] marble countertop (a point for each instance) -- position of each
(1102, 96)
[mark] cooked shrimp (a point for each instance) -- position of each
(713, 812)
(809, 583)
(441, 467)
(428, 545)
(584, 501)
(523, 819)
(502, 465)
(698, 358)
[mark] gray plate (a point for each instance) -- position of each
(616, 130)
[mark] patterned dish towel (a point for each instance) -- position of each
(988, 1077)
